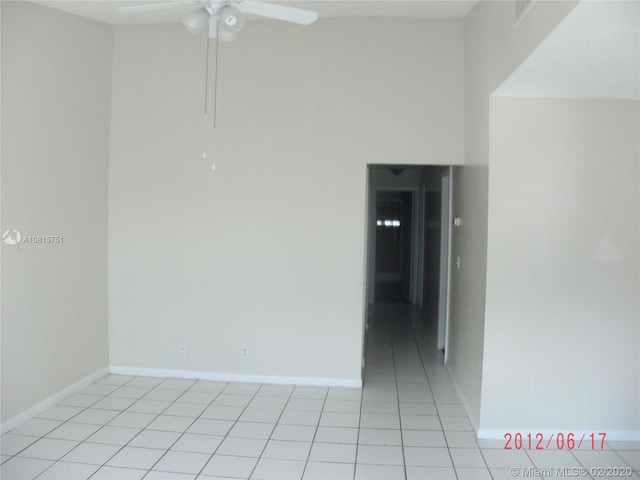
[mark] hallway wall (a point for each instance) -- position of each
(493, 48)
(562, 279)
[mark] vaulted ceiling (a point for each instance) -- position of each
(106, 10)
(593, 53)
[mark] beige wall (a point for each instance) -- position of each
(493, 48)
(562, 279)
(55, 124)
(267, 251)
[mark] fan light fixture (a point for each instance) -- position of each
(231, 19)
(197, 20)
(231, 22)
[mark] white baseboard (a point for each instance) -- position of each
(498, 434)
(463, 399)
(155, 372)
(49, 402)
(236, 377)
(611, 435)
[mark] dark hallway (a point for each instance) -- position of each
(405, 236)
(393, 246)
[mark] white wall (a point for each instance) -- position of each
(267, 251)
(55, 123)
(562, 334)
(493, 48)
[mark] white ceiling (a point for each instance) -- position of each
(106, 10)
(593, 53)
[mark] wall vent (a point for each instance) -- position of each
(521, 8)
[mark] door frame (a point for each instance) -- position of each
(445, 262)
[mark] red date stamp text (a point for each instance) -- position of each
(559, 441)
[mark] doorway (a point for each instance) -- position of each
(394, 228)
(408, 244)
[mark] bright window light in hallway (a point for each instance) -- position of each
(388, 223)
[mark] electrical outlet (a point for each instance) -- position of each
(245, 352)
(182, 350)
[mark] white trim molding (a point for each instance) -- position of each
(237, 377)
(463, 399)
(49, 402)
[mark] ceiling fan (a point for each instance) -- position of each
(225, 18)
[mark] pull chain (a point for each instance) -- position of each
(209, 128)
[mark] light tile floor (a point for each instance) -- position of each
(406, 423)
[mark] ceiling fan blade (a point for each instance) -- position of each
(153, 7)
(279, 12)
